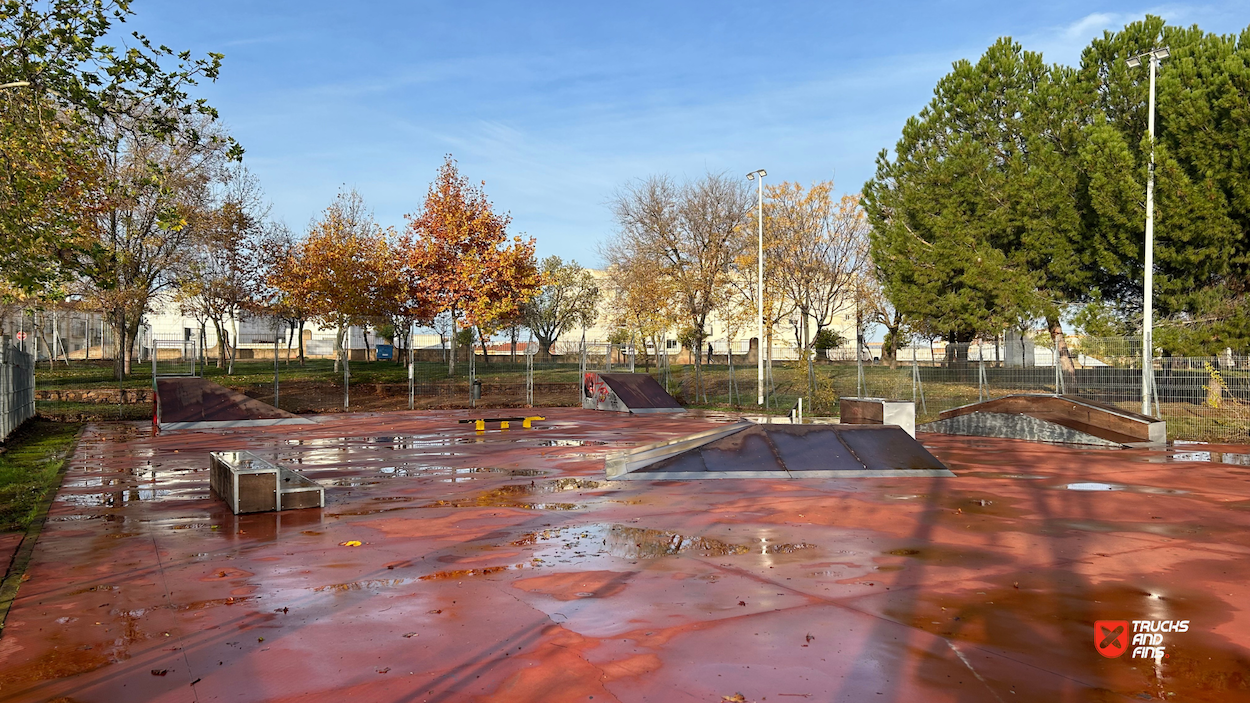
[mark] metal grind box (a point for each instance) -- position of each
(250, 484)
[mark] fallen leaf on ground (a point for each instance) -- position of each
(350, 543)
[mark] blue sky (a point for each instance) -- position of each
(555, 105)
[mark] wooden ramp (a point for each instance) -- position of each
(189, 403)
(626, 393)
(749, 450)
(1047, 417)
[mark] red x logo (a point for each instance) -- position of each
(1111, 637)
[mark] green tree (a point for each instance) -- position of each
(569, 298)
(1202, 190)
(81, 97)
(974, 224)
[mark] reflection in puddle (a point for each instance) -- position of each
(1094, 487)
(1213, 457)
(514, 496)
(572, 544)
(1098, 486)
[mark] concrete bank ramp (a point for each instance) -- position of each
(626, 393)
(748, 450)
(191, 403)
(1048, 417)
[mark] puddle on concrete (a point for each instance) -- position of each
(462, 573)
(1000, 474)
(1099, 486)
(1049, 610)
(518, 495)
(368, 585)
(1090, 486)
(465, 475)
(581, 543)
(945, 555)
(1212, 457)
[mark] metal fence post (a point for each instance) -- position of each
(529, 377)
(275, 361)
(917, 386)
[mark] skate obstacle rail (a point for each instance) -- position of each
(479, 423)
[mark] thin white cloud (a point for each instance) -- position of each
(1064, 43)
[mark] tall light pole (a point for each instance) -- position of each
(1152, 57)
(759, 260)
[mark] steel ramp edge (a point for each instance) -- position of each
(785, 475)
(226, 424)
(645, 455)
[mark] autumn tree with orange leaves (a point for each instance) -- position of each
(461, 259)
(338, 274)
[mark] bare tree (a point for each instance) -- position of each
(160, 190)
(689, 235)
(637, 300)
(224, 276)
(824, 246)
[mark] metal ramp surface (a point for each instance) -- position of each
(627, 393)
(190, 403)
(1048, 417)
(749, 450)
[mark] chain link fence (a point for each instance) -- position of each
(1201, 398)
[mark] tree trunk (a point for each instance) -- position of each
(1062, 353)
(233, 347)
(43, 337)
(889, 346)
(132, 337)
(301, 342)
(451, 345)
(117, 323)
(364, 331)
(481, 338)
(221, 343)
(544, 348)
(338, 347)
(512, 357)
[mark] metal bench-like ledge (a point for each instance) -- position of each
(250, 484)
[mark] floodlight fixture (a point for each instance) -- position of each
(1157, 54)
(759, 171)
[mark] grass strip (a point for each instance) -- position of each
(31, 469)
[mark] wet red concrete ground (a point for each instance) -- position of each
(503, 567)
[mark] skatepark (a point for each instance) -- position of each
(456, 563)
